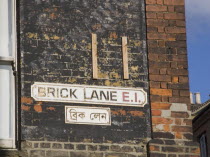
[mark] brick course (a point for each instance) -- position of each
(168, 76)
(82, 150)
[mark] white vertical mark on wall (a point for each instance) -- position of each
(125, 57)
(94, 56)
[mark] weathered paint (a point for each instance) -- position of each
(59, 51)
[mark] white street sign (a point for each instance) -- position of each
(103, 95)
(87, 115)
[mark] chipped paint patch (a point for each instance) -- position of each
(25, 108)
(51, 108)
(52, 16)
(136, 113)
(32, 35)
(103, 75)
(55, 37)
(46, 37)
(26, 100)
(119, 112)
(113, 35)
(134, 68)
(38, 108)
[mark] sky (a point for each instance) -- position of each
(198, 42)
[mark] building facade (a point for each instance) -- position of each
(95, 79)
(201, 129)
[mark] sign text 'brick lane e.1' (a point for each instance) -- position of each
(102, 95)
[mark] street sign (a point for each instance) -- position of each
(87, 115)
(103, 95)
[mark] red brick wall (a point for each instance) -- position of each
(168, 75)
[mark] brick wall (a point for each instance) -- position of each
(56, 48)
(78, 149)
(168, 77)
